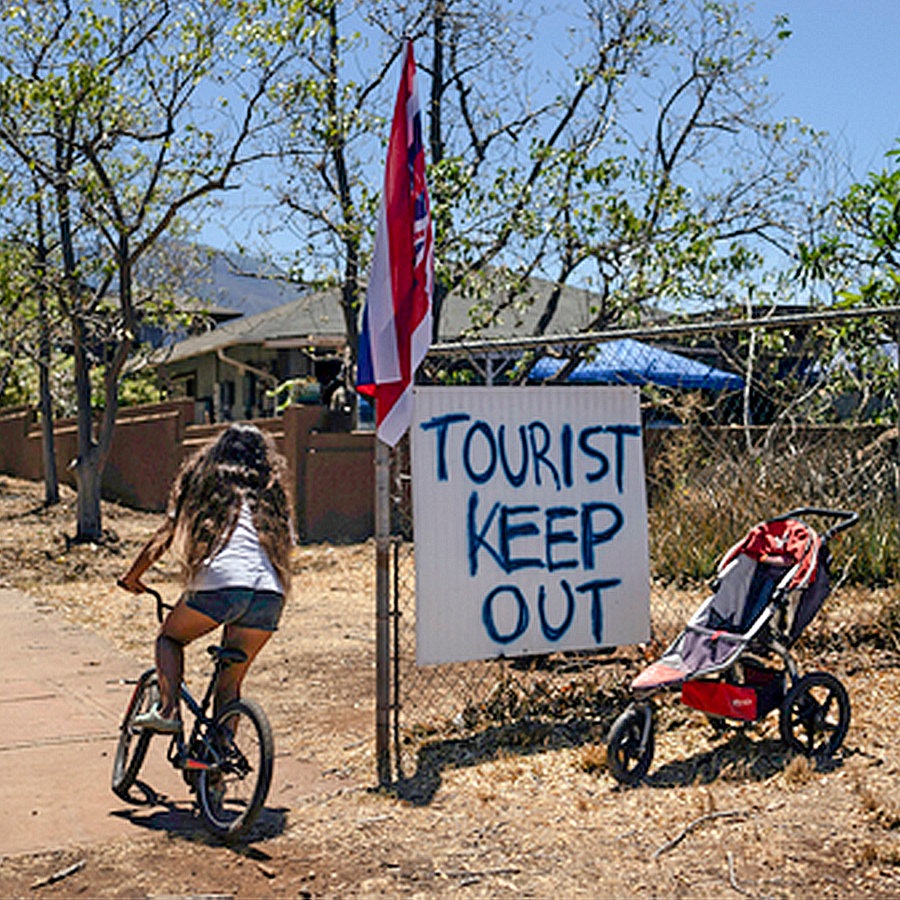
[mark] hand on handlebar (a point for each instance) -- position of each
(132, 584)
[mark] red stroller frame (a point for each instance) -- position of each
(768, 588)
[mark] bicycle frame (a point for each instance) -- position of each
(179, 753)
(182, 754)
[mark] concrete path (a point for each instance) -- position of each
(62, 693)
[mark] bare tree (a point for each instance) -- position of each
(129, 116)
(631, 153)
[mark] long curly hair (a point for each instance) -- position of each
(242, 464)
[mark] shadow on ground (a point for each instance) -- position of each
(526, 736)
(738, 756)
(157, 812)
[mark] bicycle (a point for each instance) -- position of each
(226, 758)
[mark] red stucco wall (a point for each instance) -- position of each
(330, 476)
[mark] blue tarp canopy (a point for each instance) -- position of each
(628, 361)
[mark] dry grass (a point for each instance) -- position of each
(878, 797)
(509, 814)
(799, 771)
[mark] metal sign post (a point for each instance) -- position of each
(382, 610)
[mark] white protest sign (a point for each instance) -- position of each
(530, 521)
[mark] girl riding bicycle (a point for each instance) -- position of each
(229, 525)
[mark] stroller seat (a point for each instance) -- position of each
(753, 578)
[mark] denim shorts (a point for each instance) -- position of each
(245, 607)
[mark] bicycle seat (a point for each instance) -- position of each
(227, 654)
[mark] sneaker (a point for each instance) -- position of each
(153, 721)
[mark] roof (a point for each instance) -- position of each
(628, 361)
(575, 312)
(313, 318)
(244, 285)
(316, 318)
(221, 285)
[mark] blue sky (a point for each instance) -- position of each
(840, 71)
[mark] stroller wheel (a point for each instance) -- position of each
(815, 715)
(630, 745)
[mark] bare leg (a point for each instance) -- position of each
(251, 641)
(181, 626)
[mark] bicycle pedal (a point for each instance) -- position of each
(196, 765)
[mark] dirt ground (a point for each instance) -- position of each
(721, 815)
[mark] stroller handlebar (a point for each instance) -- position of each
(847, 518)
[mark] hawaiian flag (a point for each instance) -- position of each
(396, 324)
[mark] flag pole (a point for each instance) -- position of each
(382, 610)
(393, 340)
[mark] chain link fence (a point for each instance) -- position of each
(741, 422)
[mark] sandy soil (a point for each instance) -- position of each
(721, 815)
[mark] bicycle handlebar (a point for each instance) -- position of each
(161, 605)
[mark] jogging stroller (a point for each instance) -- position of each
(768, 588)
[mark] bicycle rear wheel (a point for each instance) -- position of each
(133, 742)
(231, 793)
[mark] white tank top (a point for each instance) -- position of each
(241, 563)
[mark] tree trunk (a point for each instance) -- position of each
(88, 479)
(85, 466)
(48, 443)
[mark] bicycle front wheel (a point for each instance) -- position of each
(133, 742)
(232, 791)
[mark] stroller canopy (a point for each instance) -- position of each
(778, 567)
(781, 542)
